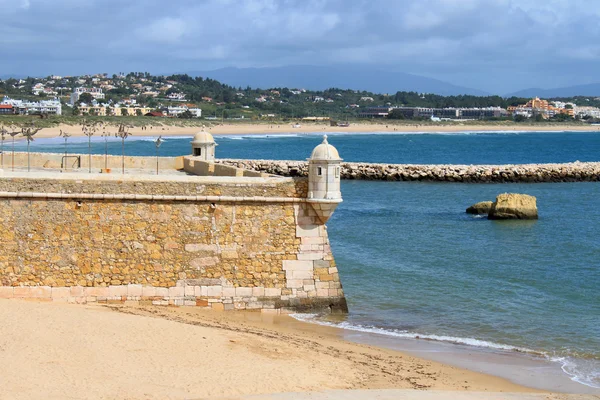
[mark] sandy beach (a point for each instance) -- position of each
(257, 129)
(62, 351)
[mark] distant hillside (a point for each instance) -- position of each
(342, 77)
(592, 90)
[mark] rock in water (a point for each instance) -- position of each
(483, 207)
(514, 206)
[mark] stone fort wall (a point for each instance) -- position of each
(225, 243)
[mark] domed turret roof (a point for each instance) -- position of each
(203, 137)
(325, 151)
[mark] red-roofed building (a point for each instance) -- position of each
(6, 109)
(154, 114)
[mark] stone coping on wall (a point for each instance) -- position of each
(118, 177)
(152, 197)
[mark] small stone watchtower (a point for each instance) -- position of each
(203, 146)
(324, 179)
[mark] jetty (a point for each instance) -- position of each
(512, 173)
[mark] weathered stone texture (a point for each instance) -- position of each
(514, 206)
(296, 188)
(222, 255)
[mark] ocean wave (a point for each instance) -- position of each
(313, 318)
(585, 372)
(153, 138)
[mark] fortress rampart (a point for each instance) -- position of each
(172, 231)
(527, 173)
(226, 242)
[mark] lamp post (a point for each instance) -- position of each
(123, 133)
(105, 135)
(13, 134)
(3, 133)
(65, 135)
(28, 132)
(89, 128)
(157, 143)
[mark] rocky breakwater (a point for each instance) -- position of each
(567, 172)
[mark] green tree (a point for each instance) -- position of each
(519, 118)
(75, 110)
(186, 115)
(85, 98)
(396, 114)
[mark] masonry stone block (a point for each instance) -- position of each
(307, 231)
(311, 256)
(189, 290)
(229, 254)
(243, 291)
(176, 291)
(295, 265)
(22, 292)
(60, 292)
(272, 292)
(76, 291)
(148, 291)
(6, 292)
(302, 274)
(134, 290)
(97, 291)
(196, 247)
(215, 291)
(117, 290)
(294, 283)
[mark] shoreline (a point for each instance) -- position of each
(222, 354)
(266, 129)
(214, 353)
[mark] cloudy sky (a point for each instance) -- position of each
(494, 45)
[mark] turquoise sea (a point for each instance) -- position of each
(414, 265)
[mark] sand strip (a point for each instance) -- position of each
(60, 351)
(266, 129)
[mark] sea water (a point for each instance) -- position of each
(414, 265)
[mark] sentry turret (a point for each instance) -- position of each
(203, 146)
(324, 179)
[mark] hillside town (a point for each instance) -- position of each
(182, 96)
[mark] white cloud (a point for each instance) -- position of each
(474, 39)
(164, 30)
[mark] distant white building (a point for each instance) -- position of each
(176, 96)
(53, 107)
(37, 89)
(587, 111)
(175, 111)
(95, 92)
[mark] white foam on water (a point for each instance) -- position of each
(588, 377)
(577, 372)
